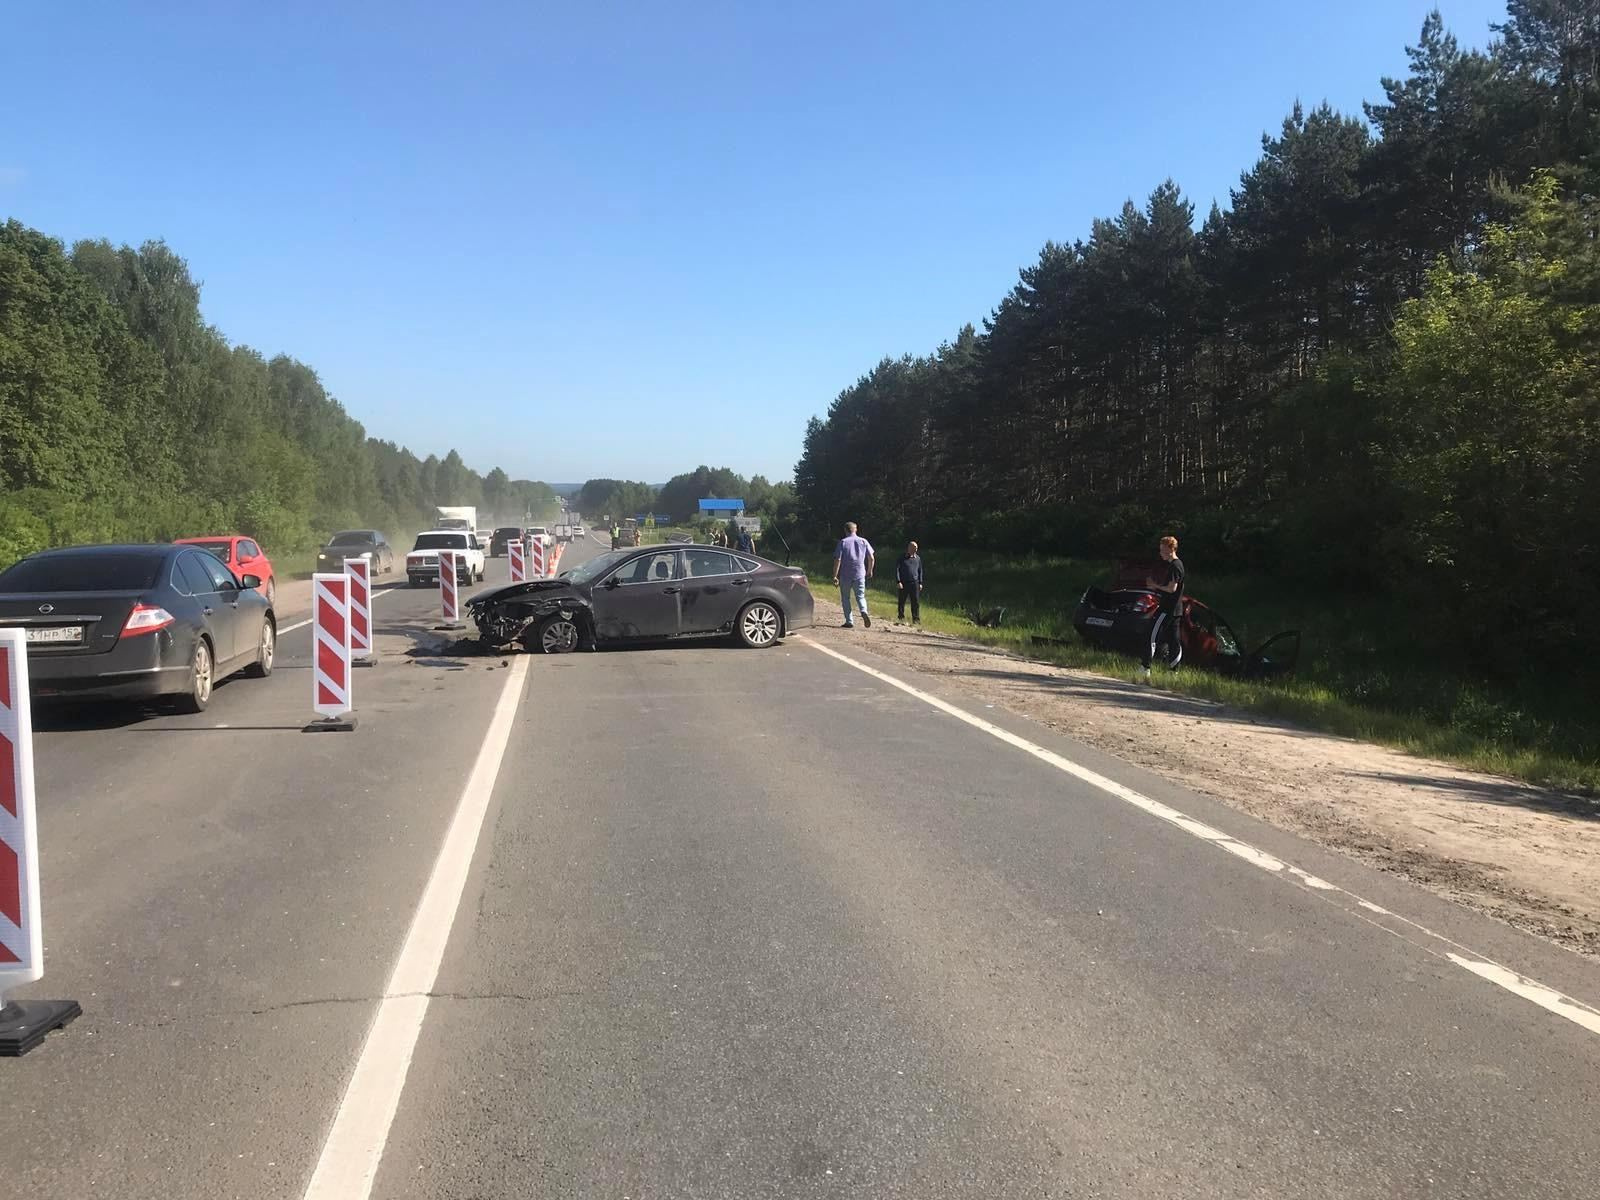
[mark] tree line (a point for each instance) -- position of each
(1375, 369)
(679, 498)
(124, 416)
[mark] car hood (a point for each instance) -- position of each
(512, 591)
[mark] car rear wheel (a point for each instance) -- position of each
(759, 625)
(201, 677)
(557, 635)
(266, 650)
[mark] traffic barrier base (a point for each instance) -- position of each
(342, 724)
(25, 1023)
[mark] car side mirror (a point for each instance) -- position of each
(611, 583)
(251, 581)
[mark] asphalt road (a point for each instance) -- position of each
(737, 924)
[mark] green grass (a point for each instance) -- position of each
(1359, 675)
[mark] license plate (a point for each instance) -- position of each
(56, 634)
(1103, 622)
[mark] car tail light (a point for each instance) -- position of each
(1145, 603)
(146, 618)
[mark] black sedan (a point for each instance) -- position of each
(136, 622)
(649, 593)
(357, 543)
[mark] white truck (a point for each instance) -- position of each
(422, 563)
(463, 516)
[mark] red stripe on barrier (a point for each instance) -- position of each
(8, 777)
(5, 676)
(10, 887)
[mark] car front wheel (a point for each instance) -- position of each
(759, 625)
(201, 677)
(557, 635)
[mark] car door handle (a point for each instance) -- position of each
(739, 583)
(670, 591)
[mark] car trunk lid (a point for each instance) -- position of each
(59, 623)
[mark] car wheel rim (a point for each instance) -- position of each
(560, 637)
(269, 644)
(760, 625)
(202, 673)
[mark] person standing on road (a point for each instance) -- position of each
(908, 580)
(1169, 579)
(747, 544)
(853, 561)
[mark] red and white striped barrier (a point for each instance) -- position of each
(23, 1025)
(449, 591)
(360, 572)
(536, 562)
(332, 695)
(519, 560)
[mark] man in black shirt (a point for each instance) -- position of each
(908, 579)
(1164, 631)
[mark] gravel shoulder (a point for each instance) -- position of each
(1527, 855)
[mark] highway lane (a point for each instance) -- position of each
(757, 925)
(744, 925)
(223, 894)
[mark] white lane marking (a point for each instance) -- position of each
(1519, 985)
(1532, 990)
(354, 1146)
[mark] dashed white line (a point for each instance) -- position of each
(1413, 932)
(353, 1150)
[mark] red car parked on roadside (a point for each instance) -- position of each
(243, 556)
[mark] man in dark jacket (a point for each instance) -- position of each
(908, 575)
(1164, 633)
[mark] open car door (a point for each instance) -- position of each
(1278, 655)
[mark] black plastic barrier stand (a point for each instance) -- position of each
(24, 1023)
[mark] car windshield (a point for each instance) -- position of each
(441, 541)
(595, 567)
(509, 531)
(351, 539)
(110, 572)
(220, 549)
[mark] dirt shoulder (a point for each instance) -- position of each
(1524, 854)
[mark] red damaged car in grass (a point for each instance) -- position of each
(1120, 618)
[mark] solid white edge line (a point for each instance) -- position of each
(354, 1146)
(1501, 976)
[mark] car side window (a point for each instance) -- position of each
(746, 564)
(192, 574)
(248, 549)
(222, 579)
(648, 568)
(700, 564)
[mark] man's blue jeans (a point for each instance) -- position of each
(858, 589)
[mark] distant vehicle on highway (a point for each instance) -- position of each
(484, 536)
(137, 622)
(502, 538)
(243, 556)
(459, 516)
(422, 564)
(649, 594)
(369, 544)
(1121, 616)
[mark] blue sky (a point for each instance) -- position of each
(626, 239)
